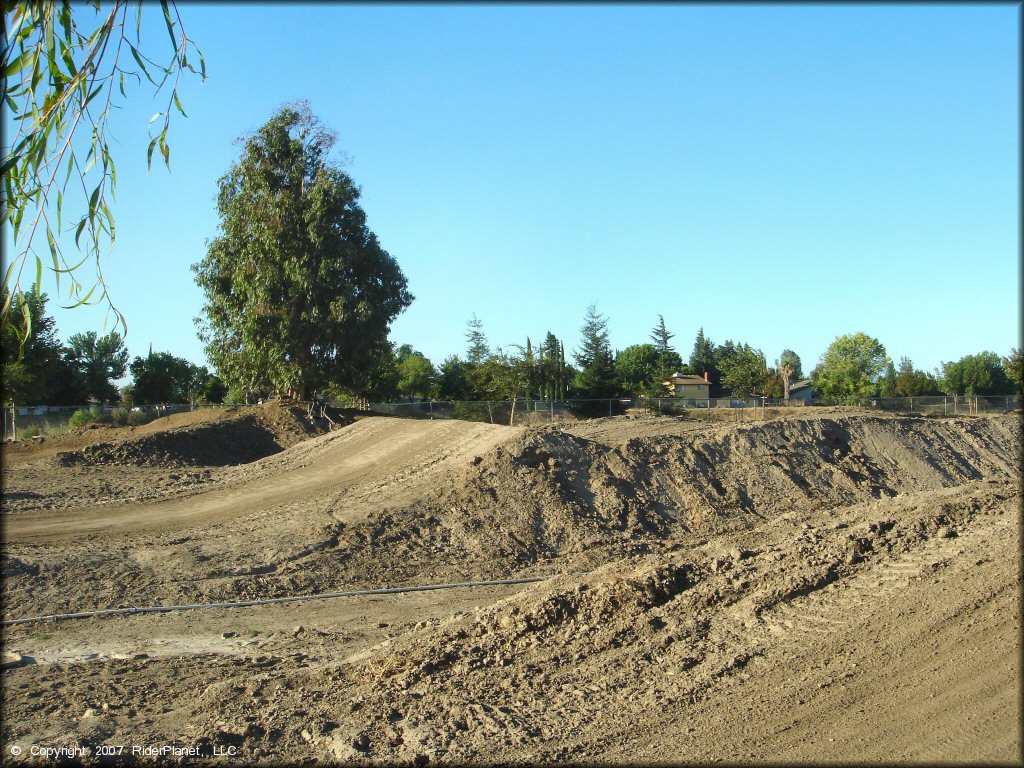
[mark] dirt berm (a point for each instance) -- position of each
(822, 586)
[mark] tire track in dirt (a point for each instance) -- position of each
(366, 459)
(911, 657)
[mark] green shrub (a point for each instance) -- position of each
(79, 418)
(135, 418)
(27, 433)
(119, 416)
(96, 415)
(234, 396)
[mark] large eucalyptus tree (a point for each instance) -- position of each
(299, 292)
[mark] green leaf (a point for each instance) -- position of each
(165, 151)
(174, 98)
(149, 154)
(84, 299)
(94, 94)
(53, 249)
(138, 60)
(169, 23)
(16, 66)
(78, 233)
(110, 218)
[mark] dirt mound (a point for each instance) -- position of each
(547, 494)
(831, 584)
(211, 439)
(544, 501)
(565, 661)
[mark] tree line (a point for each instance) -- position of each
(854, 367)
(299, 297)
(46, 372)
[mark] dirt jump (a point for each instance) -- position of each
(828, 585)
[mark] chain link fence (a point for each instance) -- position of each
(21, 422)
(25, 422)
(526, 412)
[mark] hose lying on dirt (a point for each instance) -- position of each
(270, 601)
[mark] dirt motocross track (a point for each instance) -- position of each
(828, 585)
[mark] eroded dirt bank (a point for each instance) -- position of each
(825, 586)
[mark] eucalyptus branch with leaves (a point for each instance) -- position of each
(61, 72)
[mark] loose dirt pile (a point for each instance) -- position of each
(689, 562)
(78, 467)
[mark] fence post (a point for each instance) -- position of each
(431, 410)
(551, 409)
(911, 405)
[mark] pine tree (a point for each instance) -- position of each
(669, 360)
(661, 337)
(597, 375)
(703, 358)
(478, 350)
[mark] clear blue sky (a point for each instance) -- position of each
(779, 175)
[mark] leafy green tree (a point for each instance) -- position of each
(452, 383)
(851, 368)
(63, 67)
(596, 377)
(980, 374)
(378, 382)
(298, 289)
(745, 371)
(887, 382)
(162, 378)
(703, 358)
(416, 373)
(911, 382)
(35, 371)
(99, 359)
(1014, 366)
(639, 370)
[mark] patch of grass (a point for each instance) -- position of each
(46, 429)
(40, 637)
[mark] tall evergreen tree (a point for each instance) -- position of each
(596, 377)
(669, 361)
(478, 350)
(703, 358)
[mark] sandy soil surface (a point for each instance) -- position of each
(821, 586)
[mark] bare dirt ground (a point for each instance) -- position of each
(825, 585)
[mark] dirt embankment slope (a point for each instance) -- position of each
(762, 591)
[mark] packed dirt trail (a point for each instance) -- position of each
(385, 455)
(828, 585)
